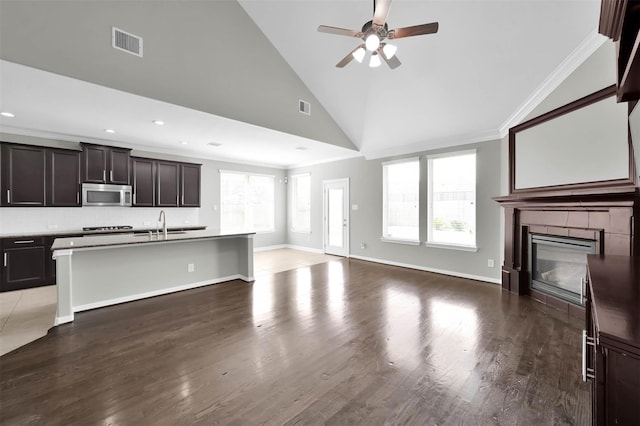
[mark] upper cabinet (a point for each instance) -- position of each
(162, 183)
(143, 182)
(620, 21)
(190, 185)
(63, 178)
(35, 176)
(105, 164)
(167, 184)
(23, 175)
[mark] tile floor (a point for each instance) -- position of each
(27, 315)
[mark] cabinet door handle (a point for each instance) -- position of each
(104, 175)
(8, 196)
(183, 199)
(5, 259)
(77, 198)
(23, 242)
(135, 198)
(111, 175)
(587, 373)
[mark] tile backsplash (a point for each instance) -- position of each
(53, 219)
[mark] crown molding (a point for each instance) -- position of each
(430, 145)
(580, 54)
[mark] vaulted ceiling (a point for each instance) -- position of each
(232, 73)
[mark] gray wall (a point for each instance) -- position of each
(366, 223)
(205, 55)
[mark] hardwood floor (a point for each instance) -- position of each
(342, 342)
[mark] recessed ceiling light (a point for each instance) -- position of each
(109, 130)
(7, 114)
(158, 122)
(183, 142)
(214, 144)
(302, 148)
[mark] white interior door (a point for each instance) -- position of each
(336, 216)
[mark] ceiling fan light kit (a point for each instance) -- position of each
(389, 50)
(359, 53)
(373, 34)
(375, 60)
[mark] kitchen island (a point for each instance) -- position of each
(103, 270)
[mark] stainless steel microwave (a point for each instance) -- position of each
(99, 194)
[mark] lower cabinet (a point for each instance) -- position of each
(27, 262)
(611, 342)
(23, 263)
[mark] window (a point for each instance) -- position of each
(400, 199)
(301, 208)
(452, 200)
(246, 202)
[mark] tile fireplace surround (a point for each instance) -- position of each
(609, 216)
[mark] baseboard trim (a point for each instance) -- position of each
(63, 320)
(288, 246)
(428, 269)
(267, 248)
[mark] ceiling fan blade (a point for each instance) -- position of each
(393, 61)
(348, 58)
(380, 11)
(339, 31)
(415, 30)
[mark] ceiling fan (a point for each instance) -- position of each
(373, 33)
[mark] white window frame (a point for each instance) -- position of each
(445, 245)
(294, 201)
(386, 237)
(249, 174)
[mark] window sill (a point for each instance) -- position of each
(451, 246)
(400, 241)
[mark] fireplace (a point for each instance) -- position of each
(558, 266)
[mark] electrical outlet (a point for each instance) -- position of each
(490, 263)
(147, 223)
(52, 226)
(191, 267)
(187, 222)
(363, 245)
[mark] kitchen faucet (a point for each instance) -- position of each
(163, 218)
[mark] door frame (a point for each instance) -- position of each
(346, 199)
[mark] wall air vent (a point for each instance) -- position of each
(304, 107)
(126, 42)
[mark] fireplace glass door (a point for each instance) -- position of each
(558, 266)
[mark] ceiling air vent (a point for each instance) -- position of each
(304, 107)
(126, 42)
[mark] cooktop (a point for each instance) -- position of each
(106, 228)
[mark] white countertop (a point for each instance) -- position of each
(119, 239)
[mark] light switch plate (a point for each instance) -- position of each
(354, 207)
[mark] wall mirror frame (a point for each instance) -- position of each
(568, 188)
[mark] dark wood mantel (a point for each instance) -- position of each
(610, 216)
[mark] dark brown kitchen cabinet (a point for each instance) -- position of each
(167, 184)
(63, 178)
(143, 182)
(190, 185)
(611, 342)
(23, 263)
(105, 164)
(23, 175)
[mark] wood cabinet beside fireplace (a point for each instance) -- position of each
(612, 360)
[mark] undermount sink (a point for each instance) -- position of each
(154, 234)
